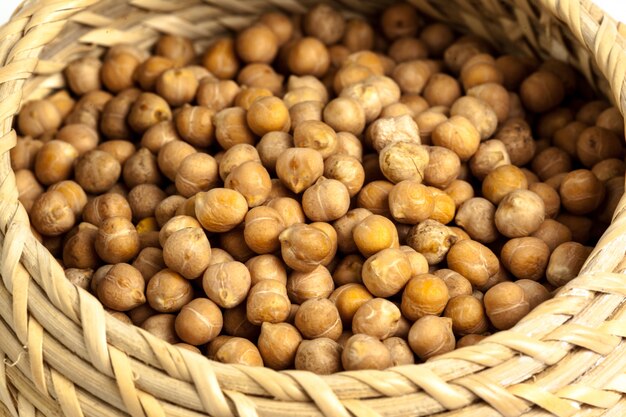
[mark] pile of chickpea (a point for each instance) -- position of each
(320, 192)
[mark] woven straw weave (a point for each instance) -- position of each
(61, 355)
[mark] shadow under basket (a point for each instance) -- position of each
(62, 355)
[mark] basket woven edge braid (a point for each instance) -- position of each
(54, 337)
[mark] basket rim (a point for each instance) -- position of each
(20, 49)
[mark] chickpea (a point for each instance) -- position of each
(83, 75)
(565, 262)
(367, 96)
(158, 135)
(106, 206)
(148, 262)
(612, 120)
(542, 91)
(168, 292)
(534, 292)
(348, 299)
(502, 181)
(348, 270)
(288, 209)
(304, 111)
(346, 169)
(262, 227)
(97, 171)
(261, 76)
(54, 162)
(278, 344)
(375, 233)
(477, 217)
(581, 192)
(220, 58)
(217, 95)
(459, 135)
(517, 138)
(321, 356)
(162, 326)
(365, 352)
(24, 154)
(304, 247)
(386, 272)
(318, 317)
(324, 23)
(308, 56)
(553, 233)
(550, 162)
(401, 161)
(316, 135)
(411, 202)
(430, 336)
(79, 250)
(177, 48)
(377, 317)
(608, 169)
(349, 74)
(141, 168)
(432, 239)
(117, 240)
(148, 110)
(81, 278)
(326, 200)
(257, 44)
(345, 114)
(520, 213)
(239, 351)
(266, 266)
(197, 172)
(595, 144)
(480, 70)
(236, 323)
(424, 294)
(271, 145)
(467, 315)
(195, 125)
(302, 286)
(220, 209)
(28, 188)
(490, 155)
(121, 288)
(187, 251)
(456, 283)
(460, 191)
(231, 127)
(506, 304)
(473, 260)
(268, 114)
(526, 257)
(299, 168)
(267, 302)
(51, 214)
(252, 180)
(280, 24)
(199, 322)
(227, 283)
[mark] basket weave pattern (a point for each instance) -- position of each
(62, 355)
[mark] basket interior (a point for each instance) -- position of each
(65, 331)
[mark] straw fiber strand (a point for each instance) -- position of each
(63, 356)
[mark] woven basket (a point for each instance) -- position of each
(62, 355)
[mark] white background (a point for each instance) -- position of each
(616, 8)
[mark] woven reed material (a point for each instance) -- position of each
(61, 355)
